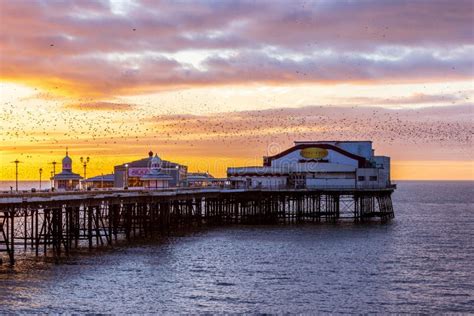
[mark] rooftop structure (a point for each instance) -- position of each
(155, 178)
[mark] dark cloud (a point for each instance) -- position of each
(96, 48)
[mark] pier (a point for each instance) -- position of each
(57, 223)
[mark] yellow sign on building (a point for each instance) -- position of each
(314, 153)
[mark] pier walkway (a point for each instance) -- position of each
(55, 223)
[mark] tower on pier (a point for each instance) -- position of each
(155, 179)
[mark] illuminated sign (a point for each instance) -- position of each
(137, 172)
(140, 172)
(314, 153)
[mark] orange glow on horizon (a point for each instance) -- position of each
(433, 170)
(216, 165)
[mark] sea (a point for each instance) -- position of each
(421, 262)
(8, 186)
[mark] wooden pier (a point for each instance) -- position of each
(58, 223)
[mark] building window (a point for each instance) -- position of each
(373, 178)
(360, 178)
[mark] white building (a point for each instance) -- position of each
(317, 164)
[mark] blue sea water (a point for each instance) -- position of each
(421, 262)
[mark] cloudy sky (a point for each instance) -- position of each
(213, 84)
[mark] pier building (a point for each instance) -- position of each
(204, 179)
(317, 164)
(66, 180)
(130, 174)
(100, 182)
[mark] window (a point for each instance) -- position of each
(373, 178)
(360, 178)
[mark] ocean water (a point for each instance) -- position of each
(421, 262)
(25, 185)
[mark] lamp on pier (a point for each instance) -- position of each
(40, 172)
(84, 162)
(16, 162)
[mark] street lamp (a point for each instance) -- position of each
(84, 161)
(53, 174)
(40, 172)
(54, 167)
(126, 176)
(16, 162)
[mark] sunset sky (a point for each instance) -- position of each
(213, 84)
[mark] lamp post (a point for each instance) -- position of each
(53, 174)
(125, 185)
(40, 172)
(16, 162)
(54, 167)
(84, 162)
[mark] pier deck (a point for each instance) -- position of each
(57, 222)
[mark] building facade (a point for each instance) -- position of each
(317, 164)
(130, 174)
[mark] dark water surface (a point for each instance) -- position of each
(423, 261)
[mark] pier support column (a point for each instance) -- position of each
(7, 235)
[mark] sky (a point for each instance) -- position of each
(214, 84)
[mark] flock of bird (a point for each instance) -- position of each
(51, 127)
